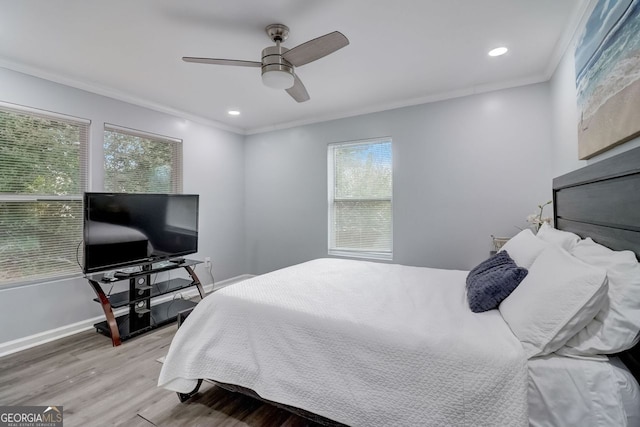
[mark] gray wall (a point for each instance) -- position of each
(464, 169)
(213, 168)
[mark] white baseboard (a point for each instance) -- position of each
(20, 344)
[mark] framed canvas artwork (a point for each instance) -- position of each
(607, 59)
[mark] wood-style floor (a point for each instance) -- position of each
(101, 385)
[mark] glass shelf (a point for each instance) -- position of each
(157, 267)
(120, 299)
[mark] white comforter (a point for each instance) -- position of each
(365, 344)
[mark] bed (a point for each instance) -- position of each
(362, 343)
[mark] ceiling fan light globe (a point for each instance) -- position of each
(277, 79)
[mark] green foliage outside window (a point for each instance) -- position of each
(134, 164)
(41, 184)
(43, 174)
(361, 213)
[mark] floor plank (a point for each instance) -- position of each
(100, 385)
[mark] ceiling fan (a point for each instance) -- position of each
(278, 62)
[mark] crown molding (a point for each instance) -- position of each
(443, 96)
(114, 93)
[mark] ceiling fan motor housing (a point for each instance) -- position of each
(272, 61)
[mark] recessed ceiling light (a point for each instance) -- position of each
(498, 51)
(233, 112)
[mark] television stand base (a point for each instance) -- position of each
(161, 314)
(143, 316)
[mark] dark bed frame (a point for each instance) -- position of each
(602, 201)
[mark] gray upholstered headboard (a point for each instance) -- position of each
(602, 201)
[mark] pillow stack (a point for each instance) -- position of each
(564, 239)
(524, 248)
(494, 279)
(616, 327)
(573, 297)
(559, 296)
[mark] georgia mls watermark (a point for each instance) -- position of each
(30, 416)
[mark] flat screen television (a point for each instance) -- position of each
(125, 229)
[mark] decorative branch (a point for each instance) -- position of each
(536, 220)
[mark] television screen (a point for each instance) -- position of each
(122, 229)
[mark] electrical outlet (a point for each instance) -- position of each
(207, 262)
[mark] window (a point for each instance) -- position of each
(43, 170)
(138, 162)
(360, 199)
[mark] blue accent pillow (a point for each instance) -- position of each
(492, 281)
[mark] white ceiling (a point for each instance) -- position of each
(401, 52)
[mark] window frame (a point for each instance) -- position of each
(83, 175)
(332, 249)
(177, 185)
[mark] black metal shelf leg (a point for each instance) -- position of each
(186, 396)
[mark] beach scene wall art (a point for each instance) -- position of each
(607, 59)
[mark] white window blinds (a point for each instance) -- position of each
(360, 199)
(138, 162)
(43, 173)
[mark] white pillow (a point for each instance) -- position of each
(565, 239)
(616, 327)
(524, 248)
(559, 296)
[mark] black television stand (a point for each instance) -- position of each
(143, 316)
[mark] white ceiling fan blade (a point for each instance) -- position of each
(217, 61)
(298, 91)
(316, 48)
